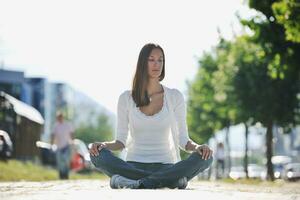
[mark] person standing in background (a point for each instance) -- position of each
(220, 156)
(62, 137)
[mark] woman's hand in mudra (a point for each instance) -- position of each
(96, 148)
(204, 151)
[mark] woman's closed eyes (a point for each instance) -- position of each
(153, 60)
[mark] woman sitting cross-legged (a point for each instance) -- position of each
(151, 125)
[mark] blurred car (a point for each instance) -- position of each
(237, 172)
(278, 165)
(292, 172)
(6, 146)
(80, 158)
(47, 153)
(256, 171)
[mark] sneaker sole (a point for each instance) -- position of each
(112, 180)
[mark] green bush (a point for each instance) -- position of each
(14, 170)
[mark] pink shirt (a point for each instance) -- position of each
(62, 134)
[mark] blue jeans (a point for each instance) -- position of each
(151, 175)
(63, 159)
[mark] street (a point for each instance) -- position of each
(94, 189)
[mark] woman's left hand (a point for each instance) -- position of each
(204, 151)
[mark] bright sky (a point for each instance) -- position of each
(94, 45)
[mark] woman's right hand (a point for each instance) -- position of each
(96, 148)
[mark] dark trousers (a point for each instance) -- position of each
(63, 158)
(151, 175)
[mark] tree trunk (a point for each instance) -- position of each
(228, 150)
(269, 151)
(246, 151)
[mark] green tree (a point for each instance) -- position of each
(251, 79)
(279, 72)
(282, 55)
(248, 83)
(287, 13)
(211, 105)
(228, 67)
(270, 101)
(201, 117)
(99, 131)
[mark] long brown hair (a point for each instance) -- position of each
(141, 77)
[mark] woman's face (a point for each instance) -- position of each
(155, 63)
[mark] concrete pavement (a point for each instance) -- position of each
(94, 189)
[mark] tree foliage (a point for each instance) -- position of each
(287, 13)
(99, 131)
(251, 77)
(211, 104)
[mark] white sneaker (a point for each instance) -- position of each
(117, 181)
(182, 183)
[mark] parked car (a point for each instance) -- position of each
(80, 159)
(6, 146)
(278, 165)
(237, 172)
(47, 153)
(256, 171)
(292, 172)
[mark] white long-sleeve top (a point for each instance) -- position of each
(153, 138)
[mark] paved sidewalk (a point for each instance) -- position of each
(93, 189)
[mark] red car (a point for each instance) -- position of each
(80, 160)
